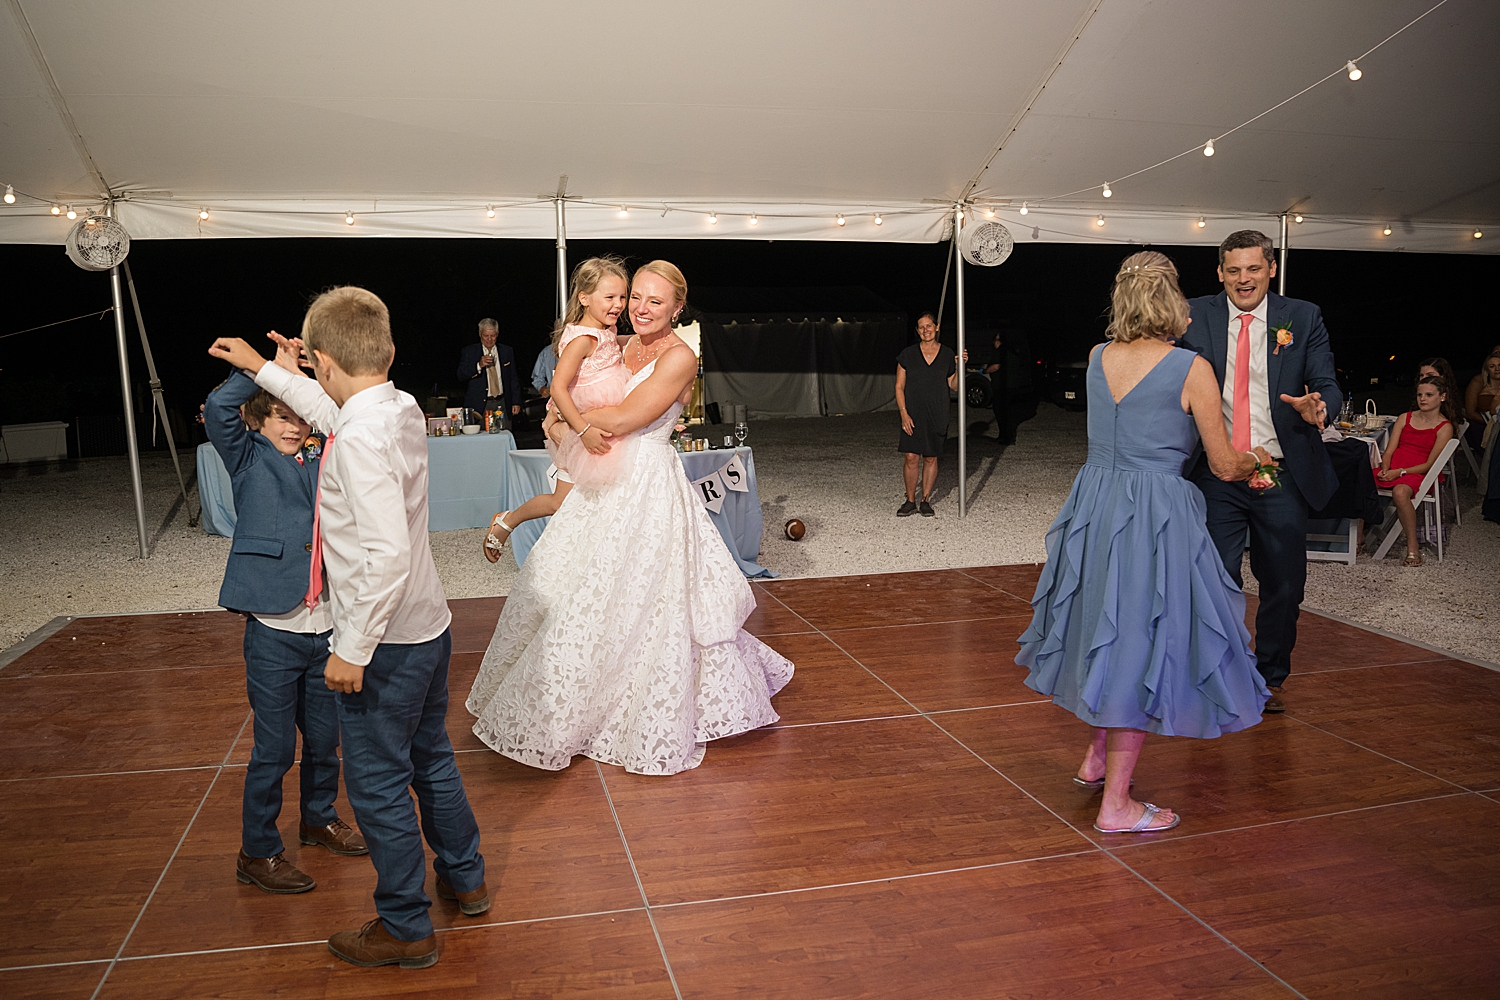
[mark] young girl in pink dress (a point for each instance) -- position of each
(1416, 442)
(589, 374)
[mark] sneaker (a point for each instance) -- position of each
(925, 509)
(907, 509)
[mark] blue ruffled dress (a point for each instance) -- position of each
(1135, 622)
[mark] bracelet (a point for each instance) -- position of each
(585, 428)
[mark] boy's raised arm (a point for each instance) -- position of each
(225, 428)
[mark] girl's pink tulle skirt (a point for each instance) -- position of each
(588, 470)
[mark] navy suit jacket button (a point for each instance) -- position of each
(308, 546)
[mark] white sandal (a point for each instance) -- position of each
(493, 544)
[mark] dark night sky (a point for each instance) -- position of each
(1376, 305)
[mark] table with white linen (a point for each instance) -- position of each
(465, 483)
(739, 520)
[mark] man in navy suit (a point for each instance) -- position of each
(489, 369)
(273, 461)
(1277, 375)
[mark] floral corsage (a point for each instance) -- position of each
(311, 449)
(1264, 477)
(1283, 335)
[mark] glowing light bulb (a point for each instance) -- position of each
(1386, 231)
(10, 195)
(1478, 233)
(56, 210)
(203, 214)
(348, 218)
(1297, 218)
(624, 211)
(713, 218)
(878, 220)
(754, 220)
(489, 211)
(960, 215)
(1107, 192)
(72, 214)
(1201, 222)
(1025, 208)
(839, 220)
(1208, 148)
(1354, 71)
(1099, 222)
(989, 213)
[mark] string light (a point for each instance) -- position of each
(989, 213)
(878, 220)
(1208, 148)
(1297, 218)
(839, 220)
(1478, 233)
(1354, 71)
(203, 214)
(1201, 222)
(1386, 231)
(1036, 232)
(1025, 208)
(754, 220)
(489, 211)
(72, 214)
(624, 211)
(713, 218)
(348, 218)
(1099, 222)
(10, 195)
(1107, 192)
(56, 210)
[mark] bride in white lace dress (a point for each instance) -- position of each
(621, 639)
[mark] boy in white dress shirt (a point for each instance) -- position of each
(390, 646)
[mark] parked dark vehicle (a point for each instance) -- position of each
(977, 387)
(1067, 385)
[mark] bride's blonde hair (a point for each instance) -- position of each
(669, 273)
(586, 278)
(1146, 301)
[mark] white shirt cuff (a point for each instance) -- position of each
(353, 647)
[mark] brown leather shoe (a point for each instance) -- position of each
(471, 903)
(272, 874)
(373, 945)
(1274, 705)
(338, 836)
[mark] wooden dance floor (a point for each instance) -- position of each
(909, 830)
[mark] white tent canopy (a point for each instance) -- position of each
(280, 117)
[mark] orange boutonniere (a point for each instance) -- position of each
(1283, 337)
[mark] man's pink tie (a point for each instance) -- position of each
(1240, 435)
(315, 571)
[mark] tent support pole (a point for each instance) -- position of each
(130, 445)
(562, 258)
(1281, 267)
(947, 270)
(158, 398)
(963, 409)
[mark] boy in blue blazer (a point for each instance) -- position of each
(273, 463)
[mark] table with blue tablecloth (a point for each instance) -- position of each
(466, 478)
(739, 520)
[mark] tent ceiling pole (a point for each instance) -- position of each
(562, 259)
(1281, 267)
(947, 270)
(963, 408)
(130, 445)
(156, 395)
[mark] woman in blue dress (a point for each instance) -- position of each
(1136, 627)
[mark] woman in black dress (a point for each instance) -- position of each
(925, 372)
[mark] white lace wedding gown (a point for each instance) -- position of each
(621, 638)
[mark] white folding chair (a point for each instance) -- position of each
(1348, 535)
(1463, 445)
(1428, 498)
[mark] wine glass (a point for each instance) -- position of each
(741, 431)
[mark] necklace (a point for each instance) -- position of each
(640, 352)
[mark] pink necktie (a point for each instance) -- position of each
(315, 571)
(1241, 434)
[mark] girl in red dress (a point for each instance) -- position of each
(1416, 442)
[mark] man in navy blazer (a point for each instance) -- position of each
(273, 467)
(1276, 370)
(489, 369)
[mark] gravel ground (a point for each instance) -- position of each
(67, 532)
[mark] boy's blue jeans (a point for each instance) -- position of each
(284, 679)
(395, 738)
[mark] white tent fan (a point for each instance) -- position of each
(987, 244)
(97, 243)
